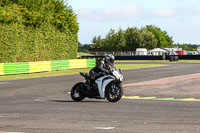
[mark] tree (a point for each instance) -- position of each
(188, 47)
(115, 41)
(133, 37)
(120, 42)
(97, 44)
(163, 39)
(83, 48)
(148, 40)
(110, 41)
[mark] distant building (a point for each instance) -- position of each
(192, 53)
(141, 51)
(158, 51)
(171, 51)
(198, 49)
(182, 52)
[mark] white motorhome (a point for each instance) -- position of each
(141, 51)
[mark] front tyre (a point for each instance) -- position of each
(115, 94)
(77, 92)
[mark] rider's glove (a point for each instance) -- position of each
(107, 72)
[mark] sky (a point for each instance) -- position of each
(180, 18)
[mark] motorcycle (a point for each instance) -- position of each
(103, 86)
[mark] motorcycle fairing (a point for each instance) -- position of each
(102, 82)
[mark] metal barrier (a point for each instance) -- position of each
(129, 57)
(149, 57)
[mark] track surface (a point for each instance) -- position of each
(44, 105)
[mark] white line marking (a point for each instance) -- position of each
(9, 132)
(38, 100)
(1, 83)
(104, 128)
(1, 116)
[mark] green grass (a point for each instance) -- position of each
(73, 71)
(161, 61)
(83, 54)
(137, 66)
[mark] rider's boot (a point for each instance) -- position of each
(87, 85)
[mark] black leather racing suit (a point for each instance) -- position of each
(95, 72)
(100, 67)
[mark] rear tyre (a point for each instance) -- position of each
(114, 95)
(77, 92)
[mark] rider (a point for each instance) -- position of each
(102, 66)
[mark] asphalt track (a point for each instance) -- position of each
(44, 105)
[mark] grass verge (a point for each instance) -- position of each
(137, 66)
(83, 54)
(73, 71)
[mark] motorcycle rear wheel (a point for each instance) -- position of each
(77, 92)
(116, 95)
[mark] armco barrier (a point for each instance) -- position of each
(41, 66)
(15, 68)
(78, 63)
(148, 57)
(1, 69)
(91, 63)
(59, 64)
(133, 57)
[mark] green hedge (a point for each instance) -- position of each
(37, 30)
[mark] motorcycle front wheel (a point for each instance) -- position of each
(114, 95)
(77, 92)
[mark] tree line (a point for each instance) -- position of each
(188, 47)
(148, 37)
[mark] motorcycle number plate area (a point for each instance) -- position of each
(102, 82)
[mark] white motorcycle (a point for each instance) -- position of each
(104, 86)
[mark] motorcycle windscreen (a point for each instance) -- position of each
(102, 82)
